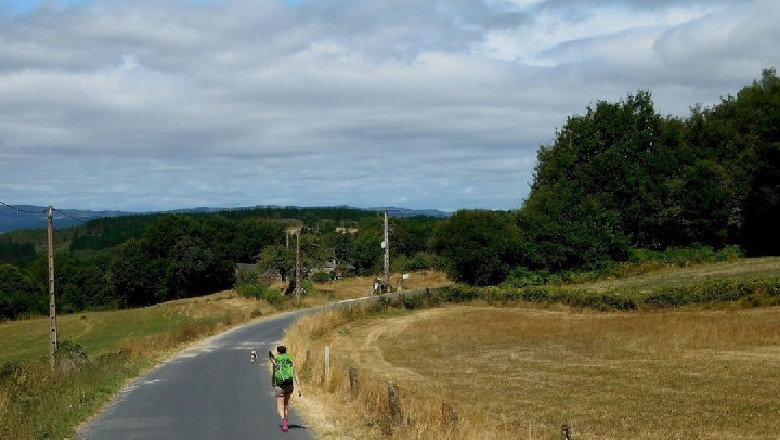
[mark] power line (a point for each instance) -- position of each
(69, 216)
(22, 210)
(65, 214)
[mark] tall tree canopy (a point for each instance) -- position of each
(624, 176)
(480, 246)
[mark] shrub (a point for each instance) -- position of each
(251, 290)
(273, 296)
(523, 277)
(685, 256)
(322, 277)
(716, 290)
(309, 288)
(760, 291)
(259, 291)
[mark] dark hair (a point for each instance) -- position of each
(281, 349)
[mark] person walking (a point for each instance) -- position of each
(284, 380)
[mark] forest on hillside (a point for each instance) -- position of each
(620, 182)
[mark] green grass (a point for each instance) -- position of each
(740, 283)
(97, 332)
(676, 276)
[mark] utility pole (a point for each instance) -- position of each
(298, 265)
(52, 308)
(386, 244)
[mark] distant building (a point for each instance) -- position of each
(268, 277)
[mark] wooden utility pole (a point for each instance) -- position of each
(52, 308)
(298, 265)
(386, 244)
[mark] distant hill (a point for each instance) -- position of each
(403, 212)
(36, 217)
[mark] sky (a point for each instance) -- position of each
(149, 105)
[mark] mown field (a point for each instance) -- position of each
(705, 371)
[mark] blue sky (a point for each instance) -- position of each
(165, 104)
(21, 7)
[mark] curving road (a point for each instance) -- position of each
(210, 391)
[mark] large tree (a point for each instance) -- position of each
(277, 258)
(623, 175)
(480, 246)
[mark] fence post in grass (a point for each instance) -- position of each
(394, 404)
(566, 433)
(449, 413)
(307, 365)
(326, 372)
(353, 381)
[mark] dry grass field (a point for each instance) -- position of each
(523, 372)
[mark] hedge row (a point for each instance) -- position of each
(753, 292)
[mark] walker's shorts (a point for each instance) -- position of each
(281, 391)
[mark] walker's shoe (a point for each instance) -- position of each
(284, 425)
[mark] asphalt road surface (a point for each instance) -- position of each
(210, 391)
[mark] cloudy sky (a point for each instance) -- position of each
(164, 104)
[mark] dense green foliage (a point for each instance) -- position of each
(18, 293)
(482, 246)
(145, 259)
(79, 286)
(15, 252)
(179, 257)
(623, 176)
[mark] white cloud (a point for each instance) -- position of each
(149, 104)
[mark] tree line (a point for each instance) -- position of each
(623, 177)
(618, 180)
(141, 260)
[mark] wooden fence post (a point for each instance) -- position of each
(394, 404)
(326, 372)
(566, 433)
(307, 365)
(353, 381)
(449, 413)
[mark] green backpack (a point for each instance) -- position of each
(284, 370)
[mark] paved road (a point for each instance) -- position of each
(210, 391)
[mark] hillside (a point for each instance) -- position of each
(36, 217)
